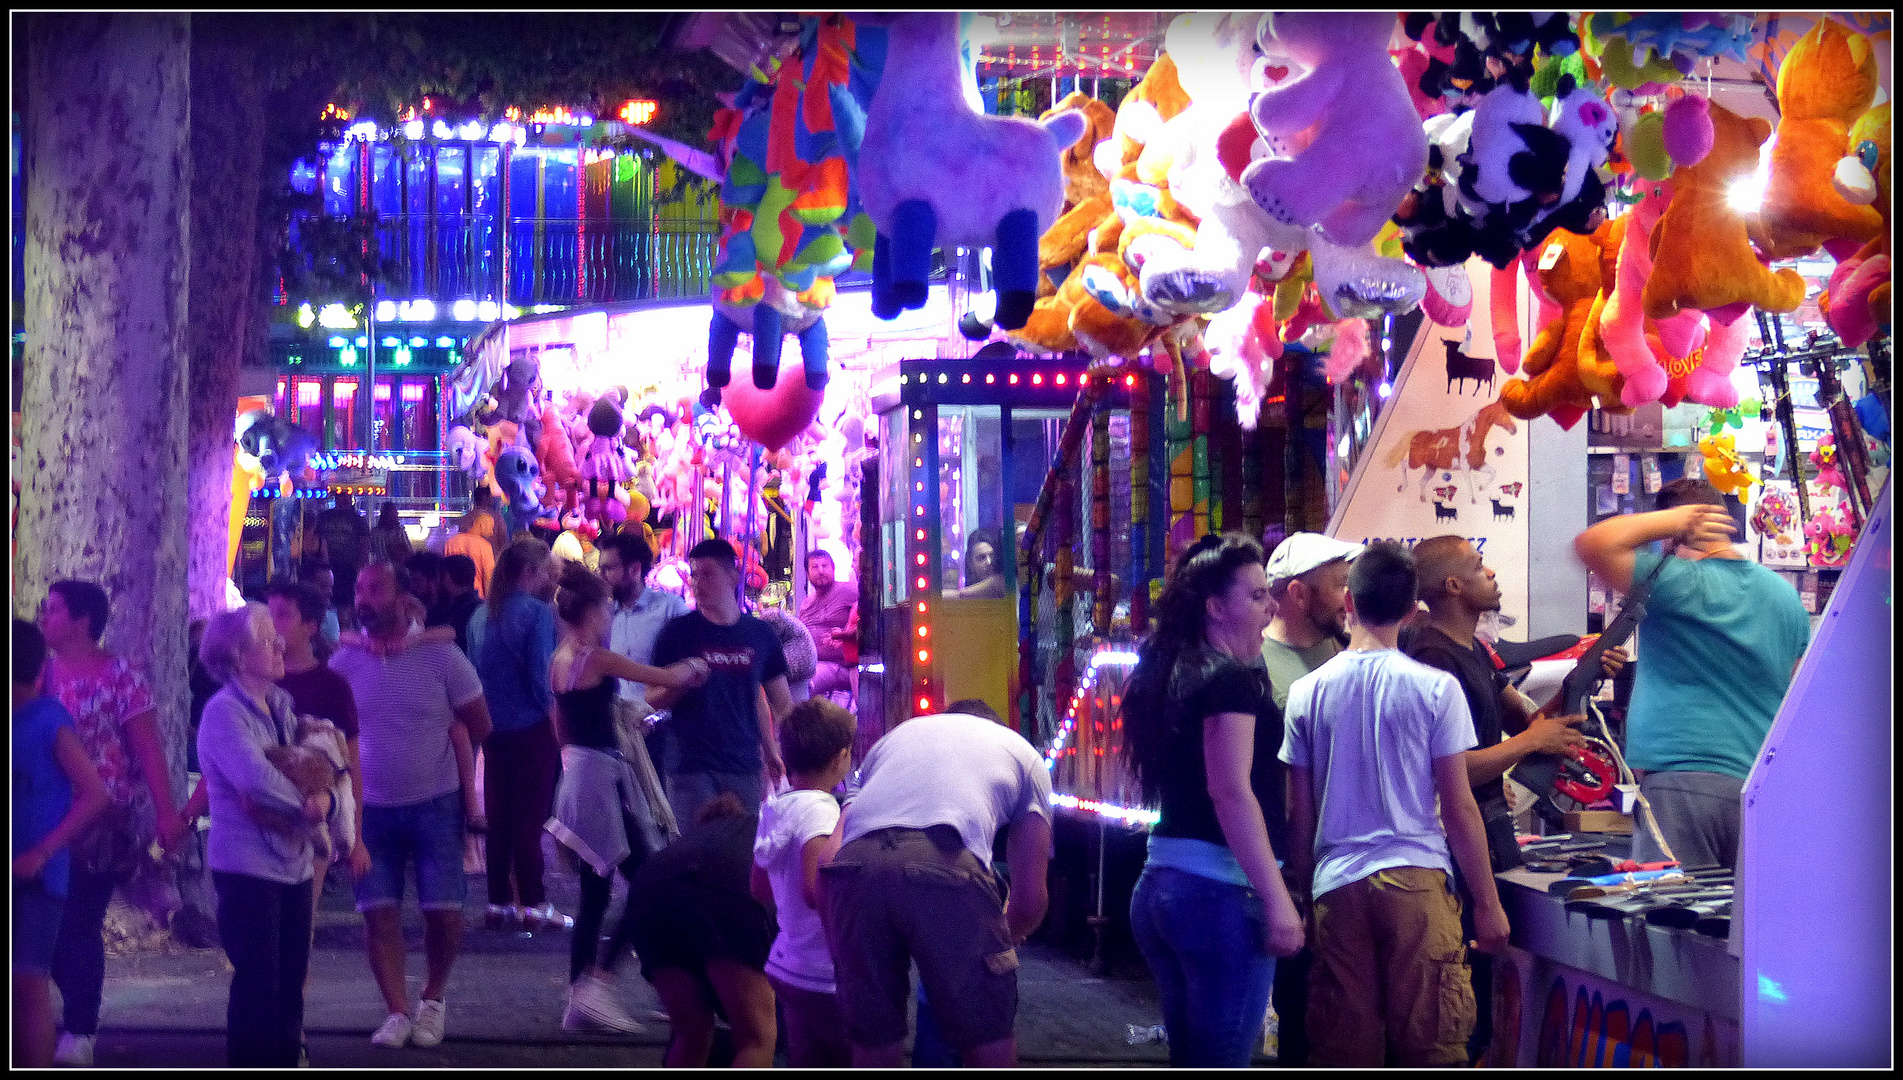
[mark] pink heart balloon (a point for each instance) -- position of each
(773, 417)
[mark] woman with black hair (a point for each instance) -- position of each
(1210, 912)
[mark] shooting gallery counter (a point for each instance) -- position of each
(1585, 992)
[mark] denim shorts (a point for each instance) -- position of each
(431, 834)
(36, 915)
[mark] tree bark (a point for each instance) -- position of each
(104, 401)
(227, 152)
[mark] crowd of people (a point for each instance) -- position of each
(1326, 757)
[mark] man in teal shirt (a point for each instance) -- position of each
(1721, 639)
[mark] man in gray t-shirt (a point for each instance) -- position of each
(407, 700)
(1308, 577)
(913, 883)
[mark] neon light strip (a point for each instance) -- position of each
(1132, 816)
(1125, 815)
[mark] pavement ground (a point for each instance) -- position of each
(506, 996)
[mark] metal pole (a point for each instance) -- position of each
(369, 389)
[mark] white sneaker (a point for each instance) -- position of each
(592, 1007)
(429, 1023)
(395, 1031)
(75, 1051)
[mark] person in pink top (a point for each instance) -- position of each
(112, 710)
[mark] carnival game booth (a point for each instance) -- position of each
(1561, 230)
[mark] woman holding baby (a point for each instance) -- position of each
(260, 847)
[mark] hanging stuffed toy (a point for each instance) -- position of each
(769, 318)
(1345, 98)
(605, 463)
(1628, 359)
(1824, 85)
(1084, 245)
(1857, 303)
(1571, 272)
(467, 453)
(1724, 469)
(1702, 257)
(556, 454)
(518, 476)
(1830, 536)
(934, 173)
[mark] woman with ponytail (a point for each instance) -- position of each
(602, 812)
(1201, 731)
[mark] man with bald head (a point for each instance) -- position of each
(1459, 588)
(408, 694)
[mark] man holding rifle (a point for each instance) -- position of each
(1459, 588)
(1723, 637)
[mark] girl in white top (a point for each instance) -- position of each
(799, 830)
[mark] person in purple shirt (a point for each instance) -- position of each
(828, 614)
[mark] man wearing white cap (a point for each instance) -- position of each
(1308, 578)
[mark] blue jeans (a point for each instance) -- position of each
(430, 833)
(688, 792)
(1206, 942)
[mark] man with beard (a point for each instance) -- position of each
(1308, 580)
(828, 611)
(640, 612)
(407, 699)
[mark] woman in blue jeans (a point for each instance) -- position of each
(1201, 731)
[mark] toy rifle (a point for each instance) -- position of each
(1579, 682)
(1546, 773)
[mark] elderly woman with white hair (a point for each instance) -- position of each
(259, 850)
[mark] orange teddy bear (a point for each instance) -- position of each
(1701, 255)
(1824, 85)
(1572, 271)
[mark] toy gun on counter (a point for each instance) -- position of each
(1581, 773)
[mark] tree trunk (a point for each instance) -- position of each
(227, 151)
(104, 400)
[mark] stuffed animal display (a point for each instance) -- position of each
(1825, 85)
(1702, 255)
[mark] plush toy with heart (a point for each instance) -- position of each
(1350, 99)
(1702, 255)
(773, 417)
(1825, 84)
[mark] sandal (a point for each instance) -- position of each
(546, 918)
(501, 916)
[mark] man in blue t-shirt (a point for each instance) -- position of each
(1721, 639)
(724, 728)
(57, 793)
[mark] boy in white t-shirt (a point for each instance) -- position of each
(798, 830)
(1376, 747)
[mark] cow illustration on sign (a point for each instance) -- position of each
(1464, 445)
